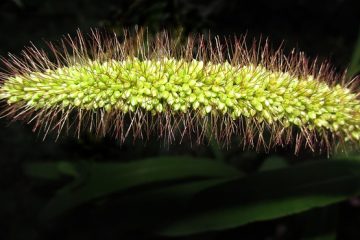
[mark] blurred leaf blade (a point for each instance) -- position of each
(354, 67)
(148, 209)
(273, 162)
(50, 170)
(108, 178)
(256, 198)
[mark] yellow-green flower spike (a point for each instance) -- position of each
(161, 88)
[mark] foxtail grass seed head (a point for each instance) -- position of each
(181, 87)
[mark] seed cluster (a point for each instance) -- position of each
(181, 87)
(168, 84)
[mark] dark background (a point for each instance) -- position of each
(324, 29)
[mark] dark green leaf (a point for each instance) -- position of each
(148, 209)
(50, 170)
(354, 67)
(108, 178)
(272, 163)
(268, 195)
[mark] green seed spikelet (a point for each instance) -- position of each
(180, 88)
